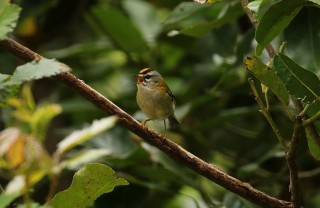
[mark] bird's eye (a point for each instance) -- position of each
(147, 77)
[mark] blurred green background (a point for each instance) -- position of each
(199, 49)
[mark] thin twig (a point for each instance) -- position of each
(266, 114)
(172, 149)
(291, 160)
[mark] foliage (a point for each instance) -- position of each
(202, 50)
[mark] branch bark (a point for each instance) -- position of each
(170, 148)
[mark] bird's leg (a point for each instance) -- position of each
(145, 122)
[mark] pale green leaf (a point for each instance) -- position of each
(268, 77)
(298, 81)
(315, 1)
(78, 137)
(6, 199)
(88, 184)
(39, 69)
(9, 14)
(229, 14)
(314, 147)
(84, 157)
(41, 119)
(275, 20)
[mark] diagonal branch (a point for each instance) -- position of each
(172, 149)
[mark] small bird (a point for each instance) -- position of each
(154, 98)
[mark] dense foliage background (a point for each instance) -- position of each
(199, 49)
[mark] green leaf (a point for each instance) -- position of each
(120, 29)
(39, 69)
(183, 11)
(268, 77)
(303, 39)
(298, 81)
(314, 147)
(229, 14)
(78, 137)
(88, 184)
(9, 15)
(41, 118)
(6, 199)
(144, 15)
(275, 20)
(315, 1)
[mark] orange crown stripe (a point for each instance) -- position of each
(145, 70)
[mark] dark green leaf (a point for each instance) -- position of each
(120, 29)
(88, 184)
(268, 77)
(275, 20)
(302, 37)
(9, 15)
(298, 81)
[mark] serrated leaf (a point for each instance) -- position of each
(88, 184)
(9, 14)
(314, 147)
(120, 29)
(275, 20)
(268, 77)
(39, 69)
(83, 135)
(298, 81)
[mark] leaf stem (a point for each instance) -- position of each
(311, 120)
(266, 114)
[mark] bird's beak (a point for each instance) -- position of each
(139, 78)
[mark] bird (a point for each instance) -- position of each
(154, 98)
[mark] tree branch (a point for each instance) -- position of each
(172, 149)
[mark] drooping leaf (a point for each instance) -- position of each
(6, 199)
(41, 119)
(9, 14)
(275, 20)
(120, 29)
(268, 77)
(83, 135)
(298, 81)
(39, 69)
(87, 185)
(315, 1)
(314, 147)
(229, 14)
(181, 12)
